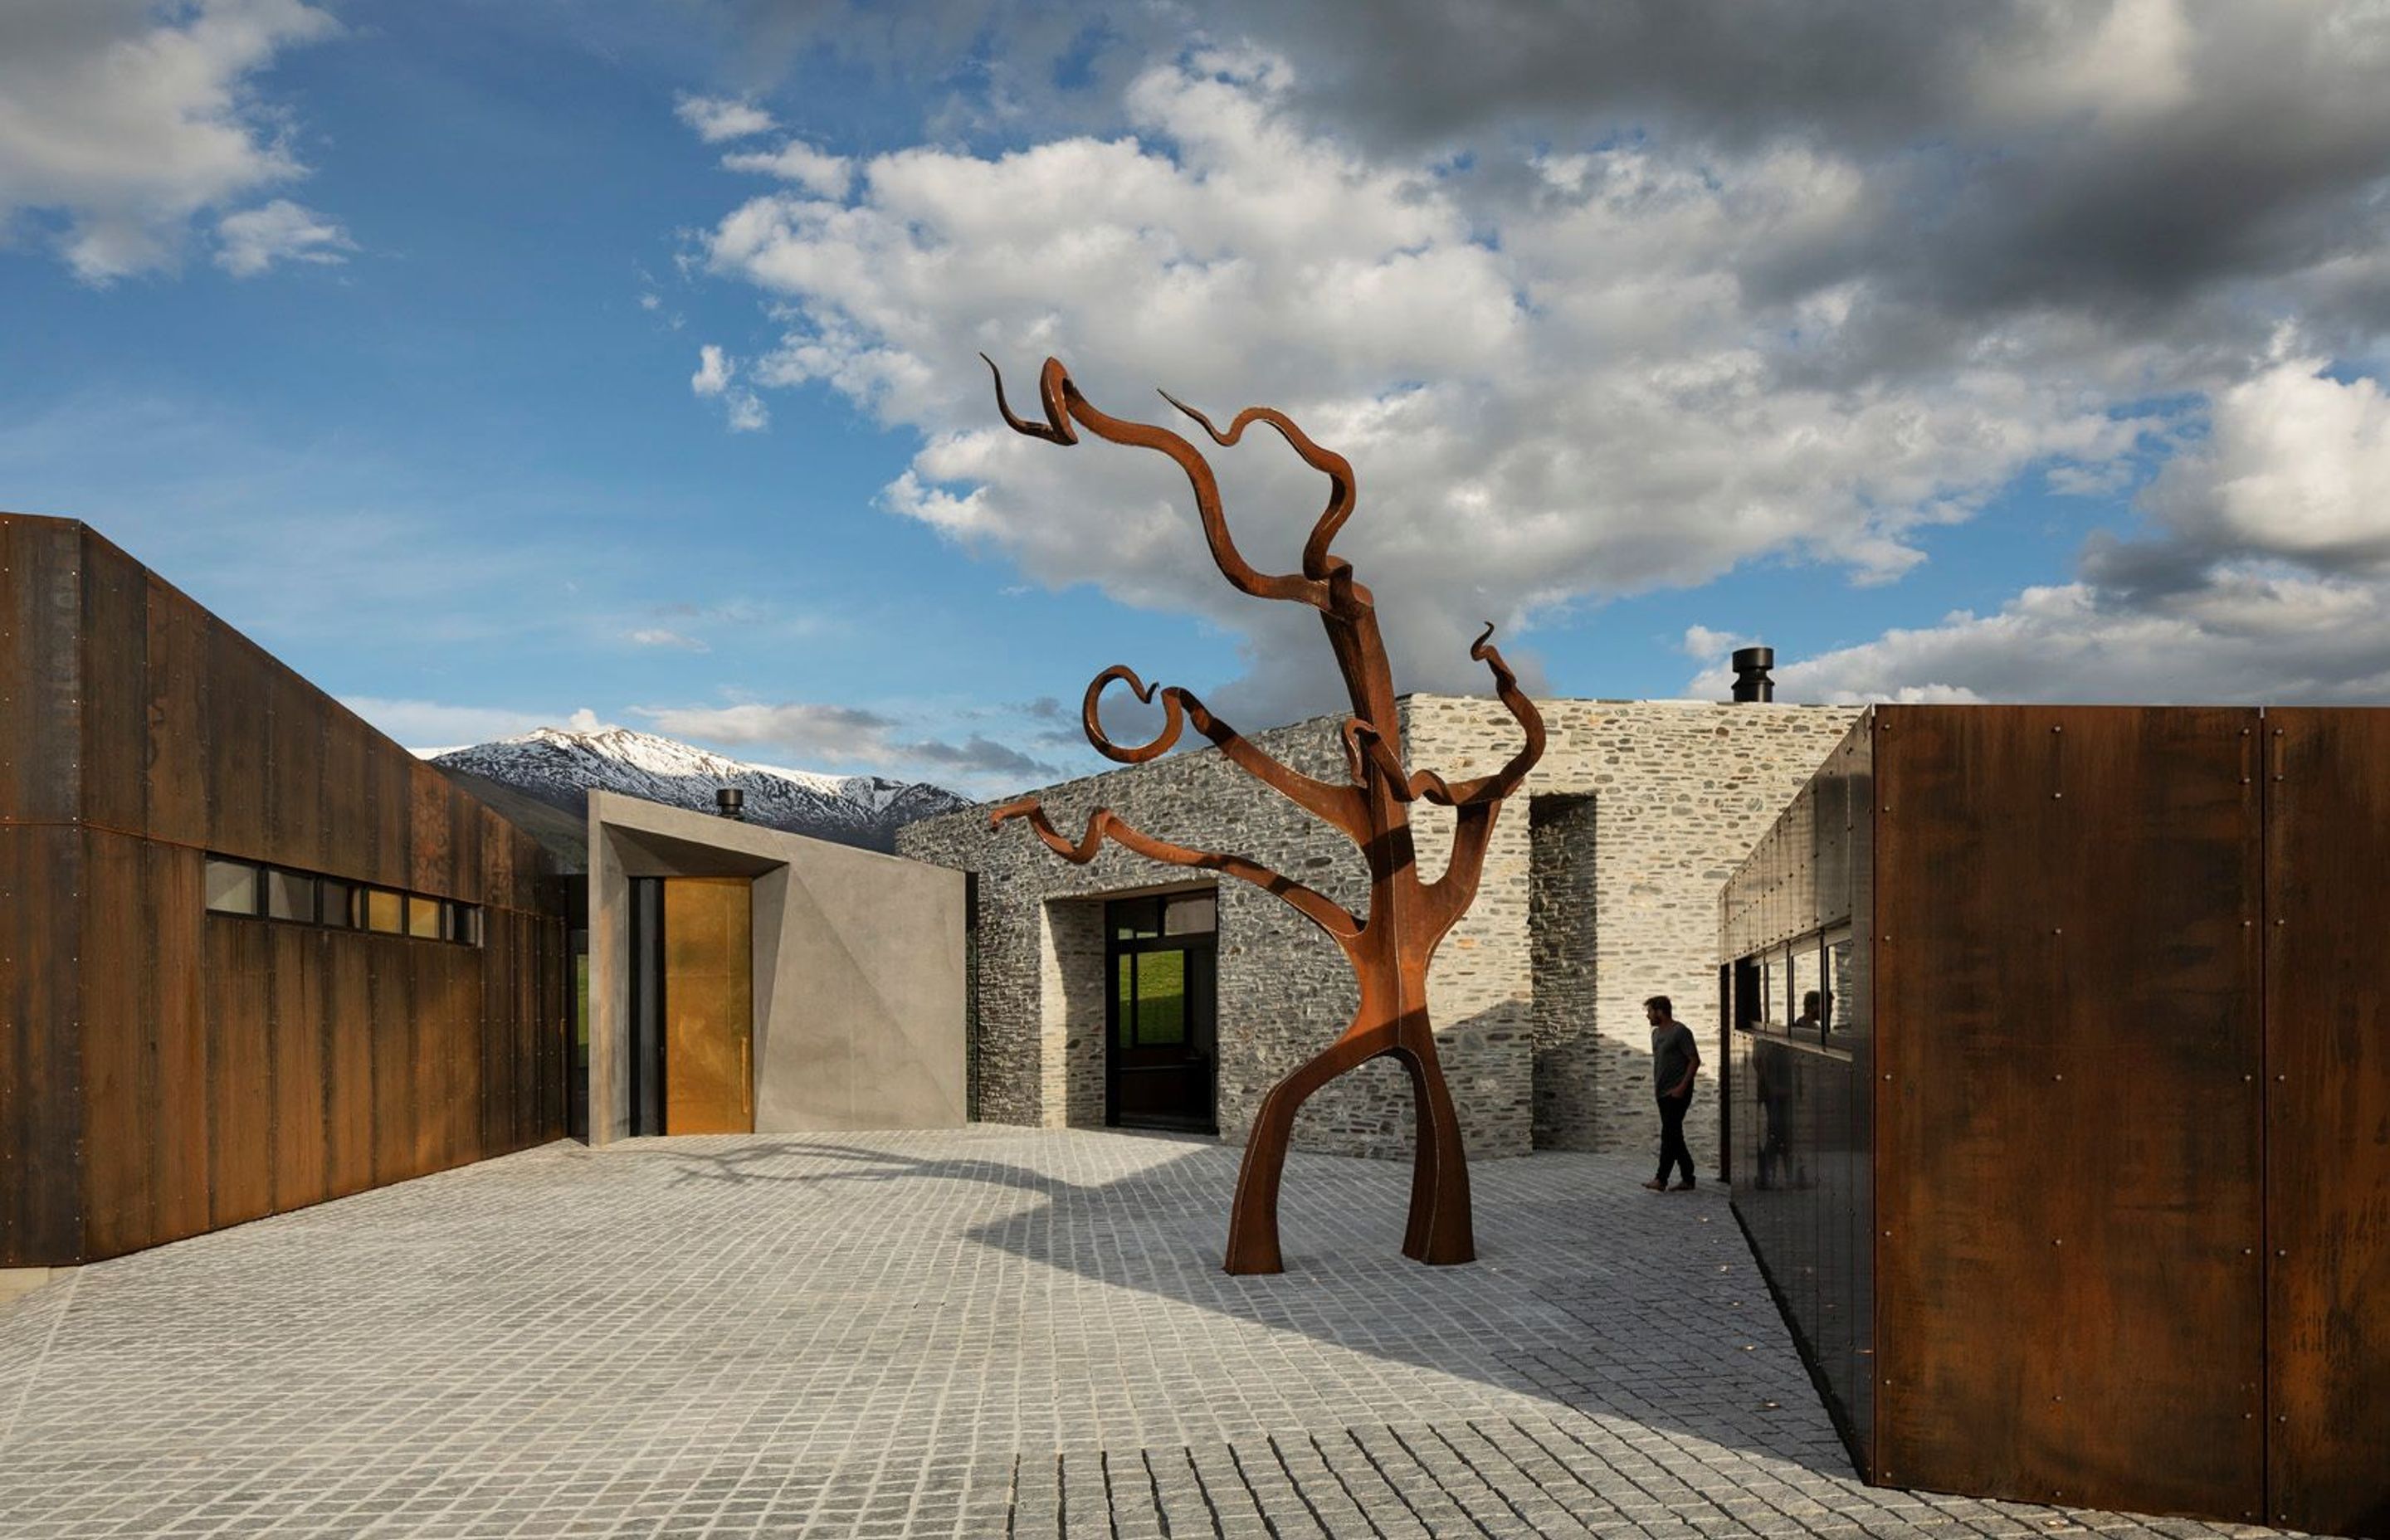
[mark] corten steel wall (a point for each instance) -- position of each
(164, 1070)
(2069, 1289)
(2121, 978)
(1811, 1226)
(2327, 782)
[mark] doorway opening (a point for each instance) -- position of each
(1161, 1028)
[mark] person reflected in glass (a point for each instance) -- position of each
(1674, 1058)
(1807, 1021)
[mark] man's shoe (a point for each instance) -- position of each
(1656, 1185)
(1685, 1185)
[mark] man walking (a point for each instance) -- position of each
(1674, 1056)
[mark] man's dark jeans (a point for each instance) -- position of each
(1672, 1135)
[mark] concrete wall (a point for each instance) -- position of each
(1644, 806)
(859, 970)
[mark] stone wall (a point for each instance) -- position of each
(1600, 887)
(1562, 902)
(1284, 990)
(1681, 790)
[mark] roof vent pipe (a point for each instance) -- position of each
(1751, 680)
(729, 800)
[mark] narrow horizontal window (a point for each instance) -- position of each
(289, 895)
(232, 887)
(258, 890)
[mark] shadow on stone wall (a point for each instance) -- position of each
(1488, 1063)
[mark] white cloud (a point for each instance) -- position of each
(1652, 292)
(438, 723)
(656, 635)
(2247, 631)
(800, 162)
(280, 231)
(2297, 464)
(742, 408)
(121, 119)
(716, 119)
(713, 371)
(1589, 398)
(2267, 579)
(817, 734)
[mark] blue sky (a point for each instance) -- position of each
(379, 331)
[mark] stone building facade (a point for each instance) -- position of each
(1600, 889)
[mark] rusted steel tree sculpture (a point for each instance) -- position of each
(1389, 950)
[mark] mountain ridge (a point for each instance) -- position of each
(560, 767)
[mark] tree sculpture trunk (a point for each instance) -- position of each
(1389, 949)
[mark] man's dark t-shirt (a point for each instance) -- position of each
(1672, 1055)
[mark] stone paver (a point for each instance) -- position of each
(984, 1332)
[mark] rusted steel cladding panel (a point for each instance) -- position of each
(175, 786)
(238, 734)
(41, 617)
(115, 696)
(176, 892)
(121, 1088)
(2068, 1177)
(237, 982)
(297, 832)
(348, 1015)
(41, 1054)
(390, 1032)
(2328, 1120)
(296, 992)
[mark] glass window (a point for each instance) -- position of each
(1805, 981)
(385, 911)
(1124, 997)
(1160, 998)
(1135, 918)
(289, 895)
(1191, 915)
(1772, 989)
(339, 902)
(465, 924)
(423, 917)
(232, 887)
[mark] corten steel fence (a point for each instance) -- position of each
(2059, 1067)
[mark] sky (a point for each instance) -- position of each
(507, 362)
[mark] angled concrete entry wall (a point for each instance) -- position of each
(857, 970)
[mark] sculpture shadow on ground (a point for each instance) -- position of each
(1589, 1293)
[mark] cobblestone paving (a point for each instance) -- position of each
(975, 1333)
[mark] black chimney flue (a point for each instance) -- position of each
(1751, 666)
(729, 800)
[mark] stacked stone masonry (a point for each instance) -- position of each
(1600, 889)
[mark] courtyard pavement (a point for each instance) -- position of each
(980, 1332)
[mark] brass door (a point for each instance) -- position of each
(709, 1020)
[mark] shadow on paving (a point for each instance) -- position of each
(1597, 1296)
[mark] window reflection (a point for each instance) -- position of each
(232, 887)
(289, 895)
(1191, 915)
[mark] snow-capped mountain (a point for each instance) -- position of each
(562, 768)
